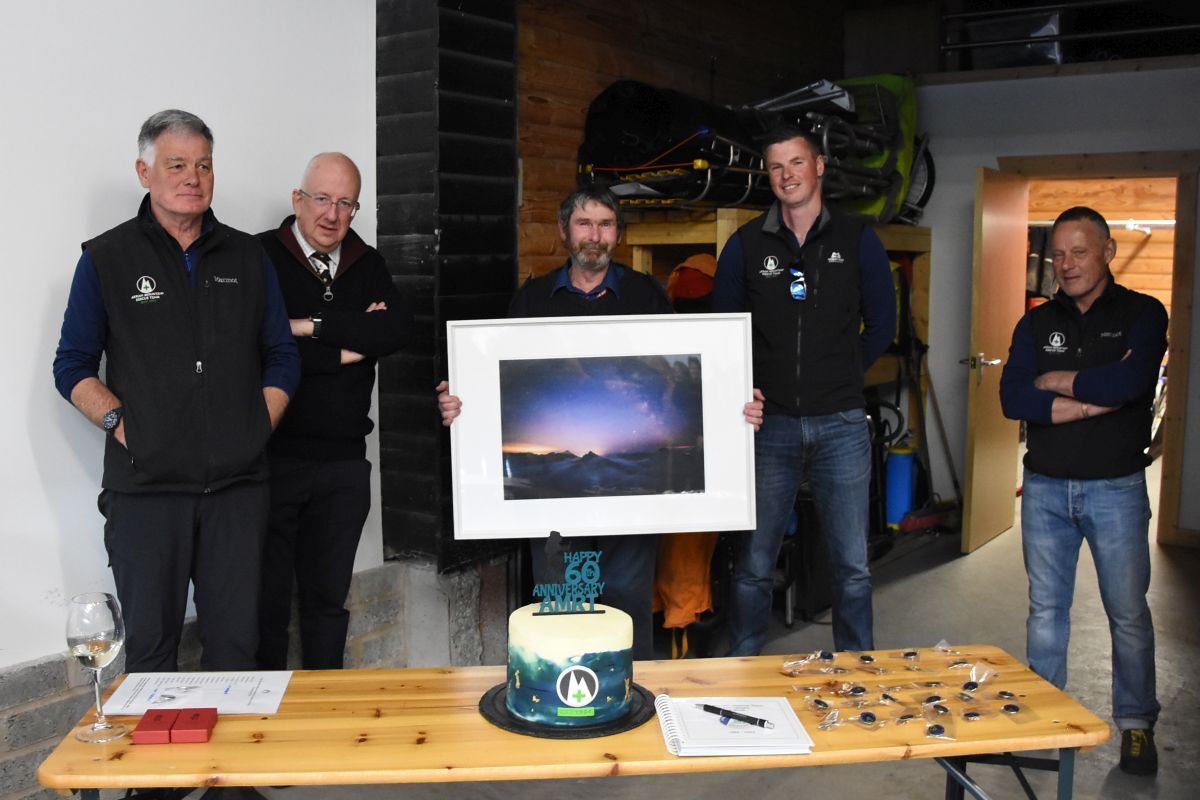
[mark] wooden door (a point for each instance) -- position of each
(997, 302)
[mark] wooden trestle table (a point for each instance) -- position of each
(423, 725)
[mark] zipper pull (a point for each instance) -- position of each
(199, 367)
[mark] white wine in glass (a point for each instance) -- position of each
(95, 633)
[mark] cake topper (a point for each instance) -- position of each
(580, 585)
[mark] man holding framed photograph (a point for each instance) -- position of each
(590, 283)
(819, 288)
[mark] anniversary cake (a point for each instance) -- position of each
(569, 670)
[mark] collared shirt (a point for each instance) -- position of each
(335, 255)
(612, 277)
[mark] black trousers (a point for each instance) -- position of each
(158, 542)
(318, 509)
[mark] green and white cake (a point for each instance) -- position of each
(569, 670)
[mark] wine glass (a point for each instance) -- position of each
(95, 633)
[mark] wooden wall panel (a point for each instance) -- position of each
(1116, 199)
(1143, 262)
(569, 51)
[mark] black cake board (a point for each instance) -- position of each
(493, 708)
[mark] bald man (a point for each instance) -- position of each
(344, 313)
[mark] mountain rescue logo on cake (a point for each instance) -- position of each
(771, 267)
(577, 687)
(1057, 344)
(147, 291)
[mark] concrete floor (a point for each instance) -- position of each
(925, 592)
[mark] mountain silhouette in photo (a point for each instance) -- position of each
(666, 470)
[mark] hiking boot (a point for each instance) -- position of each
(1138, 754)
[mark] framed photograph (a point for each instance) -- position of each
(601, 425)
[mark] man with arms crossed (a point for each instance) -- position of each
(345, 313)
(200, 366)
(820, 290)
(1081, 372)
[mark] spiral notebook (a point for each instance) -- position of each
(689, 730)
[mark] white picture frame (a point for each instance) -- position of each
(478, 349)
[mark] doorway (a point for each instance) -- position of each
(1177, 168)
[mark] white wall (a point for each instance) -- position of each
(277, 82)
(970, 125)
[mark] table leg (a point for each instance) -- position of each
(89, 794)
(957, 780)
(1066, 773)
(953, 790)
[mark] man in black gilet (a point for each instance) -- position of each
(200, 366)
(1081, 372)
(819, 288)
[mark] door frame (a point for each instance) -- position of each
(1184, 166)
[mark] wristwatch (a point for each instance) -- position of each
(316, 321)
(112, 418)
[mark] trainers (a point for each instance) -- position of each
(1138, 754)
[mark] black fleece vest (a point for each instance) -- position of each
(184, 358)
(806, 352)
(1106, 446)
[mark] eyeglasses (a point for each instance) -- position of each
(798, 287)
(324, 201)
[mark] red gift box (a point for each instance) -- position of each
(155, 726)
(193, 725)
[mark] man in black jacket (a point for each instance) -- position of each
(200, 365)
(1081, 372)
(345, 313)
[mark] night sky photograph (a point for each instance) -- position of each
(604, 426)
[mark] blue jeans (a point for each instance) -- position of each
(1113, 517)
(834, 451)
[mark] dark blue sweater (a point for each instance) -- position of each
(1115, 350)
(1113, 384)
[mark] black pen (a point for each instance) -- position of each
(746, 718)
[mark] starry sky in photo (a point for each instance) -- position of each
(606, 405)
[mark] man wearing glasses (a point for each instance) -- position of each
(820, 290)
(200, 366)
(345, 313)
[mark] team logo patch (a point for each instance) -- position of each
(771, 267)
(1056, 343)
(147, 291)
(836, 258)
(577, 686)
